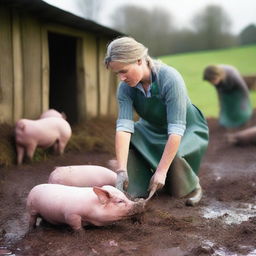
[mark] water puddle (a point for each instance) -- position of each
(15, 229)
(221, 251)
(252, 250)
(229, 213)
(4, 251)
(252, 253)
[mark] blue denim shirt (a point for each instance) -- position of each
(172, 92)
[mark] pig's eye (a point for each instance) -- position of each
(120, 201)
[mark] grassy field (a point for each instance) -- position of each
(191, 66)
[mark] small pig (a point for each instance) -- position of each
(83, 176)
(53, 113)
(44, 133)
(243, 137)
(78, 207)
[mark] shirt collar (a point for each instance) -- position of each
(140, 87)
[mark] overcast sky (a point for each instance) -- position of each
(241, 12)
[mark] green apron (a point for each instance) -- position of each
(148, 142)
(235, 108)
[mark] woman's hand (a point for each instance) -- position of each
(157, 181)
(122, 180)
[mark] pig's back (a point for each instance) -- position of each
(36, 129)
(59, 124)
(83, 176)
(51, 113)
(45, 131)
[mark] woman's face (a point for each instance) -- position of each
(216, 80)
(131, 74)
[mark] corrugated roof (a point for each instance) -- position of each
(49, 13)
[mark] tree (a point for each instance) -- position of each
(150, 27)
(248, 35)
(155, 29)
(212, 26)
(185, 40)
(89, 8)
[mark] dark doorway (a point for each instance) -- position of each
(63, 78)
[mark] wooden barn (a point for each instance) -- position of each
(50, 58)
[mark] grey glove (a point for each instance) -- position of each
(122, 180)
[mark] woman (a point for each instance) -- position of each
(166, 145)
(235, 105)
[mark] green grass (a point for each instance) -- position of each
(191, 66)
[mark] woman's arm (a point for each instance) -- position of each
(122, 143)
(158, 179)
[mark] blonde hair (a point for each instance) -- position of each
(127, 50)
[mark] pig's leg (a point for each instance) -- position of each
(20, 154)
(56, 147)
(61, 146)
(74, 221)
(32, 221)
(30, 151)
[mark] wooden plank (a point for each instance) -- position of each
(112, 101)
(108, 84)
(17, 67)
(31, 42)
(6, 67)
(104, 79)
(45, 70)
(90, 64)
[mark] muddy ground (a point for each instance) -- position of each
(224, 223)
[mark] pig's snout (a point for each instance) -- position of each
(137, 213)
(139, 207)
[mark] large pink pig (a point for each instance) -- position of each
(78, 206)
(53, 113)
(44, 133)
(83, 176)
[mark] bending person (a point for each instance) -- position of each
(233, 93)
(166, 145)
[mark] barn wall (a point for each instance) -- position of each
(91, 78)
(32, 67)
(104, 79)
(6, 66)
(112, 102)
(45, 70)
(24, 69)
(17, 67)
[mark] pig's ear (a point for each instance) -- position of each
(103, 195)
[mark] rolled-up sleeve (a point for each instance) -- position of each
(176, 129)
(125, 125)
(125, 116)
